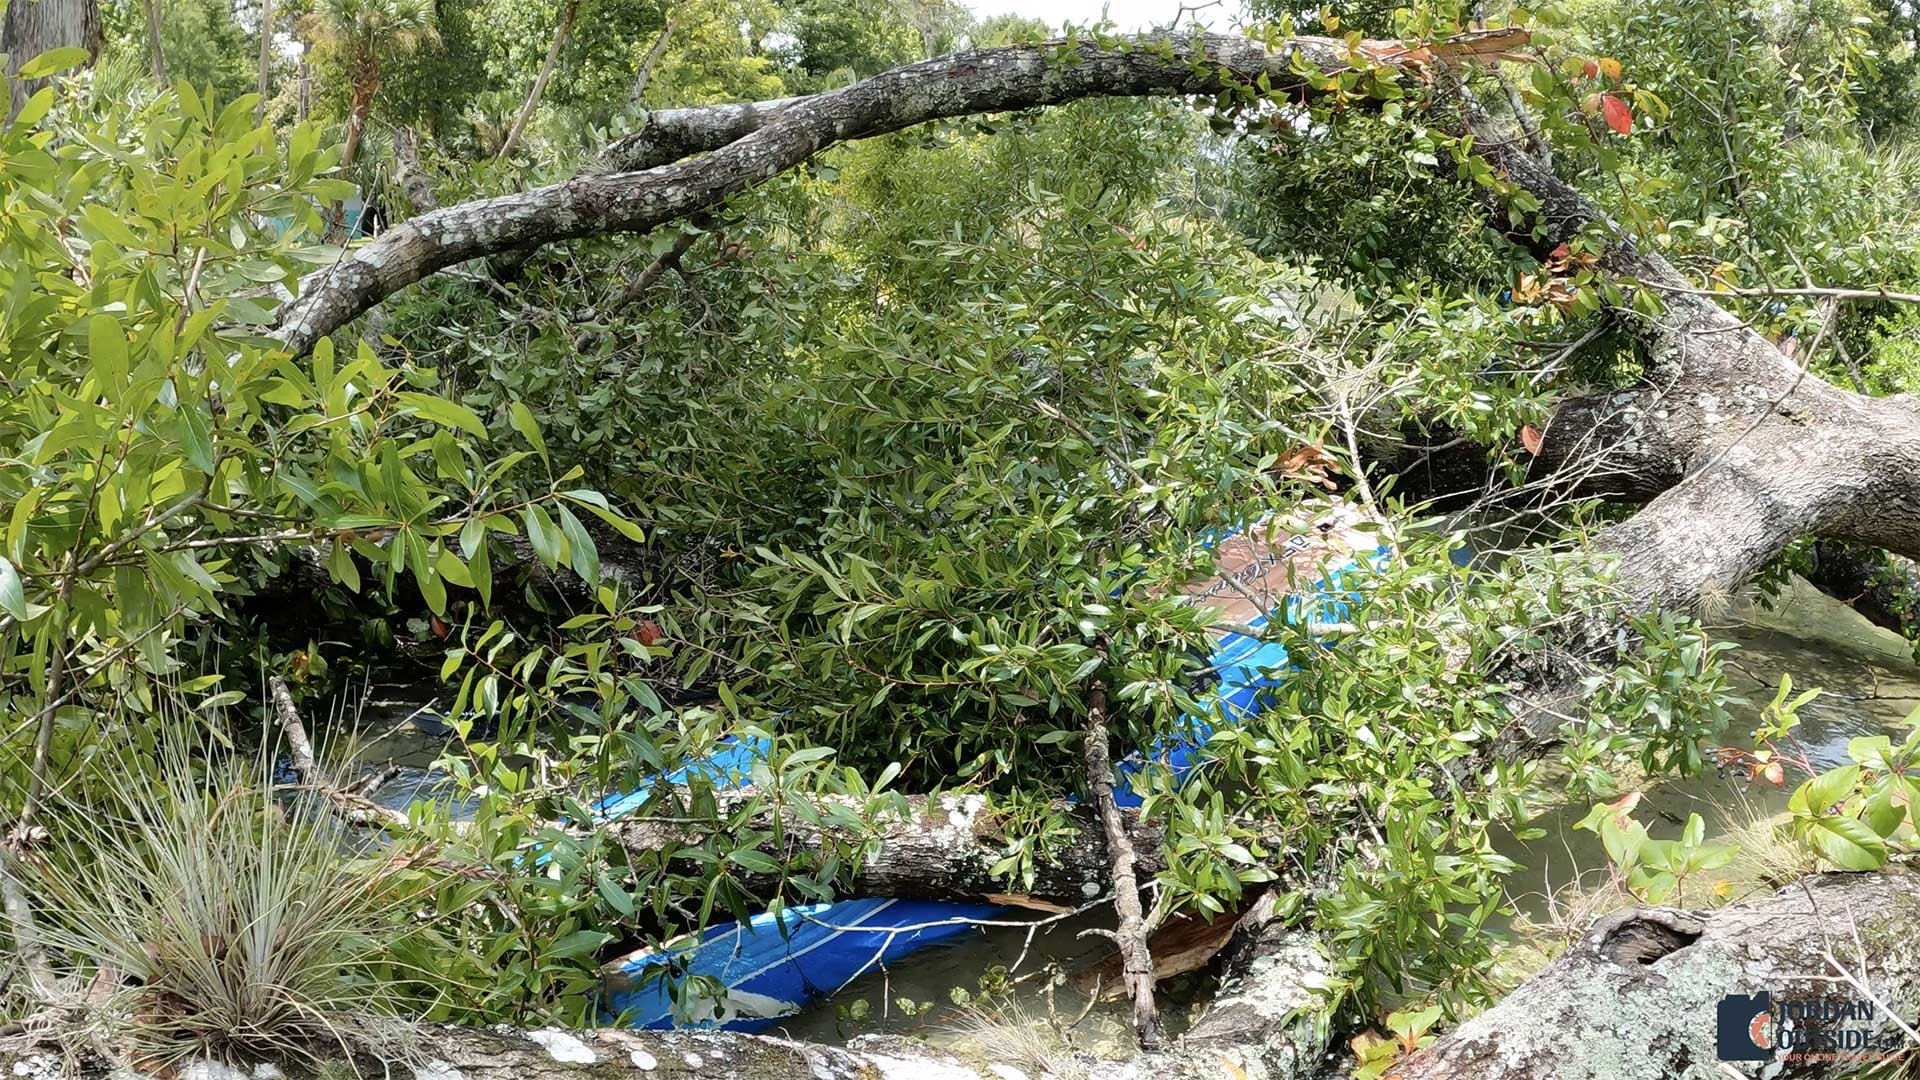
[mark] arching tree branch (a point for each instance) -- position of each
(985, 81)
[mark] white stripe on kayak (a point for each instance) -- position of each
(793, 956)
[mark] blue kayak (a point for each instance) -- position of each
(775, 966)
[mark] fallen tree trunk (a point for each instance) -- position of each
(942, 848)
(1638, 996)
(1732, 450)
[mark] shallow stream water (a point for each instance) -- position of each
(1870, 685)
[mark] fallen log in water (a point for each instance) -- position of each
(943, 847)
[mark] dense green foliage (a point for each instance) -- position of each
(901, 465)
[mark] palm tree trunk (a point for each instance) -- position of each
(266, 60)
(157, 55)
(567, 11)
(356, 124)
(337, 230)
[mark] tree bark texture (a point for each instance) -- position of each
(1637, 997)
(265, 74)
(652, 61)
(1731, 449)
(157, 54)
(1130, 933)
(1248, 1032)
(32, 27)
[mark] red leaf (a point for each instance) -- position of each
(1619, 116)
(1774, 773)
(647, 632)
(439, 628)
(1590, 68)
(1530, 438)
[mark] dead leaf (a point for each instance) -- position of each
(1309, 463)
(1618, 116)
(1531, 439)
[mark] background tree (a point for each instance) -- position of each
(363, 37)
(30, 29)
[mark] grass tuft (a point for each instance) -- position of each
(212, 920)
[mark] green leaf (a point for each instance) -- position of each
(54, 60)
(581, 552)
(754, 861)
(542, 534)
(106, 224)
(196, 438)
(1847, 843)
(443, 412)
(36, 107)
(616, 897)
(523, 422)
(1881, 813)
(620, 524)
(341, 566)
(1818, 795)
(13, 595)
(107, 347)
(579, 943)
(481, 571)
(1870, 750)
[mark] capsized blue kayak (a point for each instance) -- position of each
(774, 966)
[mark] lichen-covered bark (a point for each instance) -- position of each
(987, 80)
(1637, 997)
(942, 848)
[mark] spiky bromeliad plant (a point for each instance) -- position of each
(214, 918)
